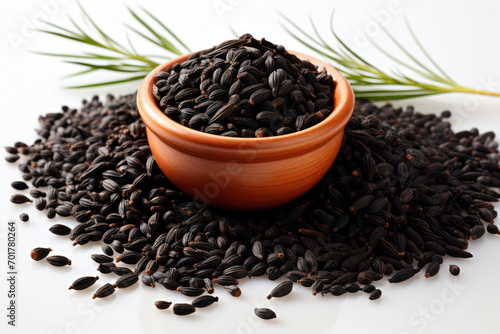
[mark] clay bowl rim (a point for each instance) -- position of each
(269, 148)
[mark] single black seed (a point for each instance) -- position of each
(432, 269)
(11, 150)
(352, 287)
(58, 260)
(368, 288)
(24, 217)
(162, 305)
(265, 313)
(237, 271)
(337, 290)
(375, 294)
(126, 280)
(60, 229)
(148, 280)
(225, 280)
(492, 228)
(209, 285)
(83, 282)
(106, 249)
(41, 204)
(37, 193)
(190, 291)
(233, 290)
(129, 257)
(106, 268)
(317, 286)
(12, 158)
(403, 275)
(40, 253)
(19, 185)
(19, 199)
(204, 301)
(100, 258)
(104, 291)
(454, 270)
(183, 309)
(120, 271)
(169, 283)
(281, 290)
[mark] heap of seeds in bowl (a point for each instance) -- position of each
(245, 88)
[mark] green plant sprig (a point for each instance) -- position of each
(368, 81)
(114, 56)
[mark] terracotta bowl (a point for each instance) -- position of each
(245, 174)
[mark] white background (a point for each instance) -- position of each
(462, 36)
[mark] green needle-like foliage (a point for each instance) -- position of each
(113, 56)
(372, 83)
(368, 80)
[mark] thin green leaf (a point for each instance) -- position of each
(109, 40)
(130, 43)
(233, 32)
(145, 37)
(85, 55)
(417, 41)
(295, 26)
(112, 67)
(167, 30)
(345, 45)
(107, 83)
(163, 42)
(408, 54)
(73, 38)
(80, 73)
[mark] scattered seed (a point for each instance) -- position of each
(454, 270)
(204, 301)
(60, 229)
(100, 258)
(432, 269)
(19, 199)
(162, 305)
(104, 291)
(83, 282)
(403, 275)
(40, 253)
(375, 294)
(368, 288)
(281, 290)
(19, 185)
(58, 260)
(265, 313)
(183, 309)
(233, 290)
(12, 158)
(190, 291)
(126, 280)
(105, 268)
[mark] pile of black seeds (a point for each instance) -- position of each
(404, 191)
(245, 88)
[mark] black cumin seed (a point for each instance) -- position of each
(162, 305)
(265, 313)
(83, 282)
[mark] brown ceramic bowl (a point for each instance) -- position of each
(245, 173)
